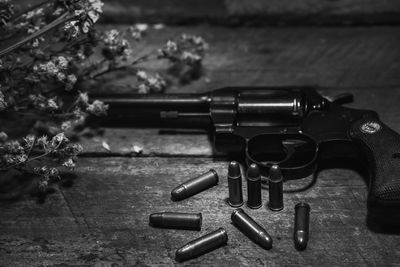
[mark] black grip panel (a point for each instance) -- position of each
(382, 149)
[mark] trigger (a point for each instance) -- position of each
(291, 144)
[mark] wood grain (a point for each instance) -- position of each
(340, 12)
(103, 218)
(269, 56)
(260, 12)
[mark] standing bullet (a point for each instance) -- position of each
(301, 225)
(202, 245)
(251, 228)
(195, 185)
(253, 187)
(235, 185)
(275, 188)
(176, 220)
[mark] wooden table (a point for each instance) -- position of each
(99, 217)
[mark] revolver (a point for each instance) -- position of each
(294, 127)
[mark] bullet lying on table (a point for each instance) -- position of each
(301, 225)
(195, 185)
(202, 245)
(251, 228)
(235, 185)
(176, 220)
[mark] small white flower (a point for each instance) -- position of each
(141, 27)
(3, 103)
(79, 12)
(35, 43)
(50, 68)
(61, 76)
(62, 62)
(159, 26)
(22, 158)
(3, 136)
(96, 5)
(94, 16)
(69, 163)
(52, 104)
(83, 98)
(72, 78)
(97, 108)
(143, 89)
(29, 140)
(53, 172)
(141, 75)
(86, 26)
(171, 46)
(60, 138)
(190, 57)
(66, 125)
(42, 141)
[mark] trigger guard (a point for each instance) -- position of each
(294, 164)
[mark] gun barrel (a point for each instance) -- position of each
(176, 101)
(167, 110)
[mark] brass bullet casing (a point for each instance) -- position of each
(202, 245)
(176, 220)
(301, 226)
(235, 185)
(253, 187)
(195, 185)
(251, 228)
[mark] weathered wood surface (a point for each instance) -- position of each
(103, 218)
(100, 217)
(325, 56)
(362, 61)
(264, 12)
(255, 11)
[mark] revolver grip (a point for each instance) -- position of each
(381, 146)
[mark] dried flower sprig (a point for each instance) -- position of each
(25, 155)
(42, 78)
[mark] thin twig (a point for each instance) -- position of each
(60, 20)
(124, 67)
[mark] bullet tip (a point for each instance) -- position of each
(302, 204)
(178, 193)
(234, 169)
(275, 173)
(300, 240)
(182, 254)
(253, 171)
(266, 240)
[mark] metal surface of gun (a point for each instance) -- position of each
(294, 127)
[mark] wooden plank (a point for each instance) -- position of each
(264, 12)
(254, 11)
(103, 219)
(328, 57)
